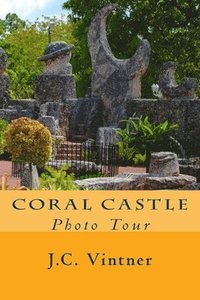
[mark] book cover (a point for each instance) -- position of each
(115, 212)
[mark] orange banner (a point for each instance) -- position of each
(99, 211)
(173, 272)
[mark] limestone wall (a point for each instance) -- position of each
(86, 118)
(20, 108)
(186, 113)
(83, 116)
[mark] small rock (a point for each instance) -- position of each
(164, 164)
(193, 186)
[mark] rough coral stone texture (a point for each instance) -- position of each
(26, 179)
(107, 136)
(141, 181)
(164, 164)
(170, 89)
(51, 123)
(54, 88)
(4, 91)
(3, 60)
(114, 79)
(86, 118)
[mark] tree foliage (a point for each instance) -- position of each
(10, 24)
(24, 44)
(172, 28)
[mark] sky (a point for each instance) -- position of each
(31, 9)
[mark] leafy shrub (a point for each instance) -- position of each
(29, 141)
(90, 175)
(53, 179)
(3, 127)
(140, 137)
(139, 159)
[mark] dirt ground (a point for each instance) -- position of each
(6, 169)
(132, 170)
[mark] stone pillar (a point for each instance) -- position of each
(4, 80)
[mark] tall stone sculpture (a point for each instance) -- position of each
(169, 87)
(4, 80)
(55, 89)
(114, 79)
(57, 83)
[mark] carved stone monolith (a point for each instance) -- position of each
(114, 79)
(169, 87)
(57, 82)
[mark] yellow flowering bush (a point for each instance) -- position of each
(29, 141)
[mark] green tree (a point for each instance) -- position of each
(2, 28)
(171, 26)
(10, 24)
(29, 141)
(23, 47)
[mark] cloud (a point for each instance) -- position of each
(27, 9)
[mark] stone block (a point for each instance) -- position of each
(4, 90)
(86, 118)
(51, 123)
(54, 88)
(164, 164)
(107, 136)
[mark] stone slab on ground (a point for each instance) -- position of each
(131, 181)
(107, 183)
(193, 170)
(194, 186)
